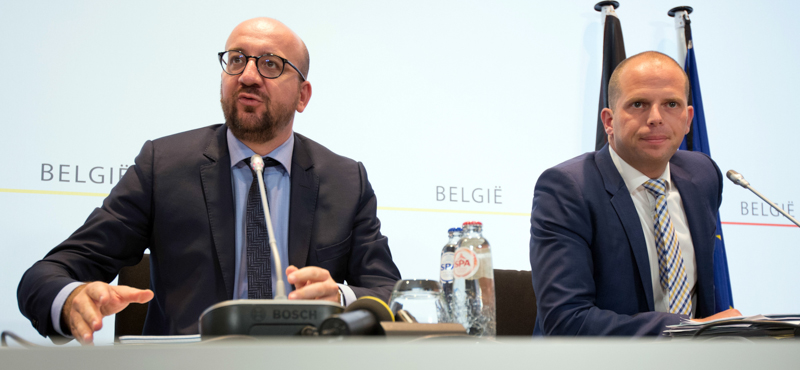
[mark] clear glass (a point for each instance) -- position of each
(420, 298)
(474, 293)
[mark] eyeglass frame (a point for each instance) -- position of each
(247, 57)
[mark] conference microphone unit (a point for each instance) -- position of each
(738, 179)
(359, 318)
(266, 317)
(371, 316)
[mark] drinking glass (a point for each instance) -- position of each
(422, 299)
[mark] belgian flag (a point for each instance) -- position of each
(613, 54)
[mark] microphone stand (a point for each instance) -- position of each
(738, 179)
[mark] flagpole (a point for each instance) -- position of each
(613, 54)
(681, 15)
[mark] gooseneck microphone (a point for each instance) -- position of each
(738, 179)
(258, 166)
(371, 316)
(263, 317)
(362, 317)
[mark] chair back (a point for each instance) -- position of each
(515, 302)
(130, 321)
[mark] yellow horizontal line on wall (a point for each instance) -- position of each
(53, 192)
(453, 211)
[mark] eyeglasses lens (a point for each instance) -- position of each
(269, 66)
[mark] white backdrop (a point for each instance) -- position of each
(469, 95)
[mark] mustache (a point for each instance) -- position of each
(253, 91)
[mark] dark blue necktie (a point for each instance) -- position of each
(259, 268)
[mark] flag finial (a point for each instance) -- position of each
(677, 9)
(599, 6)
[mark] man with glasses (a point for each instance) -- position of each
(191, 198)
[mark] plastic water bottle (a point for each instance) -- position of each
(446, 271)
(474, 282)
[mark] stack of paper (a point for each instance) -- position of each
(159, 339)
(742, 326)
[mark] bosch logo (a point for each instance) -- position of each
(294, 314)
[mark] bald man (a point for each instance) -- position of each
(190, 199)
(600, 264)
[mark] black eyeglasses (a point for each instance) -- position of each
(269, 65)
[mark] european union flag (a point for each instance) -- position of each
(697, 140)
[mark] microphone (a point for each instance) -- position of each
(257, 163)
(359, 318)
(738, 179)
(371, 316)
(261, 317)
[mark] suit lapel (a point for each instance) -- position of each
(626, 211)
(303, 203)
(216, 179)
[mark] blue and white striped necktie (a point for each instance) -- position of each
(670, 262)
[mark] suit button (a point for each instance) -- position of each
(35, 322)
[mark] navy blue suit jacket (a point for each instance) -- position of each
(589, 262)
(177, 200)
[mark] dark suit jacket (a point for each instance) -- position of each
(589, 263)
(177, 200)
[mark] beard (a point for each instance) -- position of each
(252, 128)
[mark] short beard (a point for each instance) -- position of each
(256, 129)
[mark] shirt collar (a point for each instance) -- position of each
(634, 178)
(283, 154)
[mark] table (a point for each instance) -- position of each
(381, 353)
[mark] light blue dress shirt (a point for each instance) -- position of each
(277, 181)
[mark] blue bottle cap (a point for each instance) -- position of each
(454, 229)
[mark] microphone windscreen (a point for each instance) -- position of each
(374, 305)
(360, 322)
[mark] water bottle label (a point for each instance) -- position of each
(465, 263)
(446, 268)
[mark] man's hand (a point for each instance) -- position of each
(89, 303)
(731, 312)
(312, 283)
